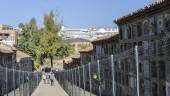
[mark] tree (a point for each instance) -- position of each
(50, 41)
(30, 39)
(43, 42)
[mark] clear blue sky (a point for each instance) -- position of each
(75, 13)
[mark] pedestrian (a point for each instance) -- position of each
(51, 79)
(48, 78)
(44, 78)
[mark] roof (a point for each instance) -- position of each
(73, 40)
(86, 51)
(20, 55)
(4, 48)
(144, 11)
(106, 38)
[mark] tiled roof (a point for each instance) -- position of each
(144, 11)
(4, 48)
(20, 55)
(106, 38)
(72, 40)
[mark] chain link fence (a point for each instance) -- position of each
(18, 82)
(141, 70)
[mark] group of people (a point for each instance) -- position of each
(48, 78)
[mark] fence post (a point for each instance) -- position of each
(72, 81)
(99, 78)
(13, 79)
(19, 81)
(75, 79)
(84, 81)
(69, 83)
(79, 79)
(137, 68)
(6, 79)
(113, 75)
(90, 78)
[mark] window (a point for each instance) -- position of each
(121, 35)
(134, 30)
(141, 85)
(140, 67)
(127, 80)
(145, 48)
(146, 28)
(168, 47)
(146, 68)
(155, 89)
(139, 29)
(125, 33)
(162, 90)
(161, 48)
(160, 24)
(162, 70)
(153, 69)
(129, 30)
(152, 26)
(152, 48)
(126, 65)
(167, 21)
(140, 48)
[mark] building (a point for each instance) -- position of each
(85, 56)
(105, 46)
(8, 35)
(89, 34)
(73, 63)
(149, 28)
(79, 44)
(24, 61)
(7, 56)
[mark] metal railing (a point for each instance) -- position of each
(18, 82)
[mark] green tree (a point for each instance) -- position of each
(50, 41)
(43, 42)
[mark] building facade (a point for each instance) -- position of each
(8, 35)
(105, 46)
(149, 28)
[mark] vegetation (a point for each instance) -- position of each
(42, 43)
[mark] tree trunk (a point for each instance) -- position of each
(51, 58)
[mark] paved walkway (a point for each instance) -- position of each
(48, 90)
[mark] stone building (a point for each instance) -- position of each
(24, 61)
(105, 46)
(73, 63)
(79, 44)
(149, 28)
(85, 56)
(7, 56)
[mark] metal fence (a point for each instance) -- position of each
(129, 73)
(18, 82)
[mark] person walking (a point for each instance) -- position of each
(52, 78)
(44, 78)
(48, 78)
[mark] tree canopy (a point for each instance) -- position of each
(43, 42)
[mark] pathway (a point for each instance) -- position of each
(48, 90)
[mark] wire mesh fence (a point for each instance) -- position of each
(18, 82)
(142, 70)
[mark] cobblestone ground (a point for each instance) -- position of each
(48, 90)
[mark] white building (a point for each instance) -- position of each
(8, 35)
(89, 34)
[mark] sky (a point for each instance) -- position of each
(74, 13)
